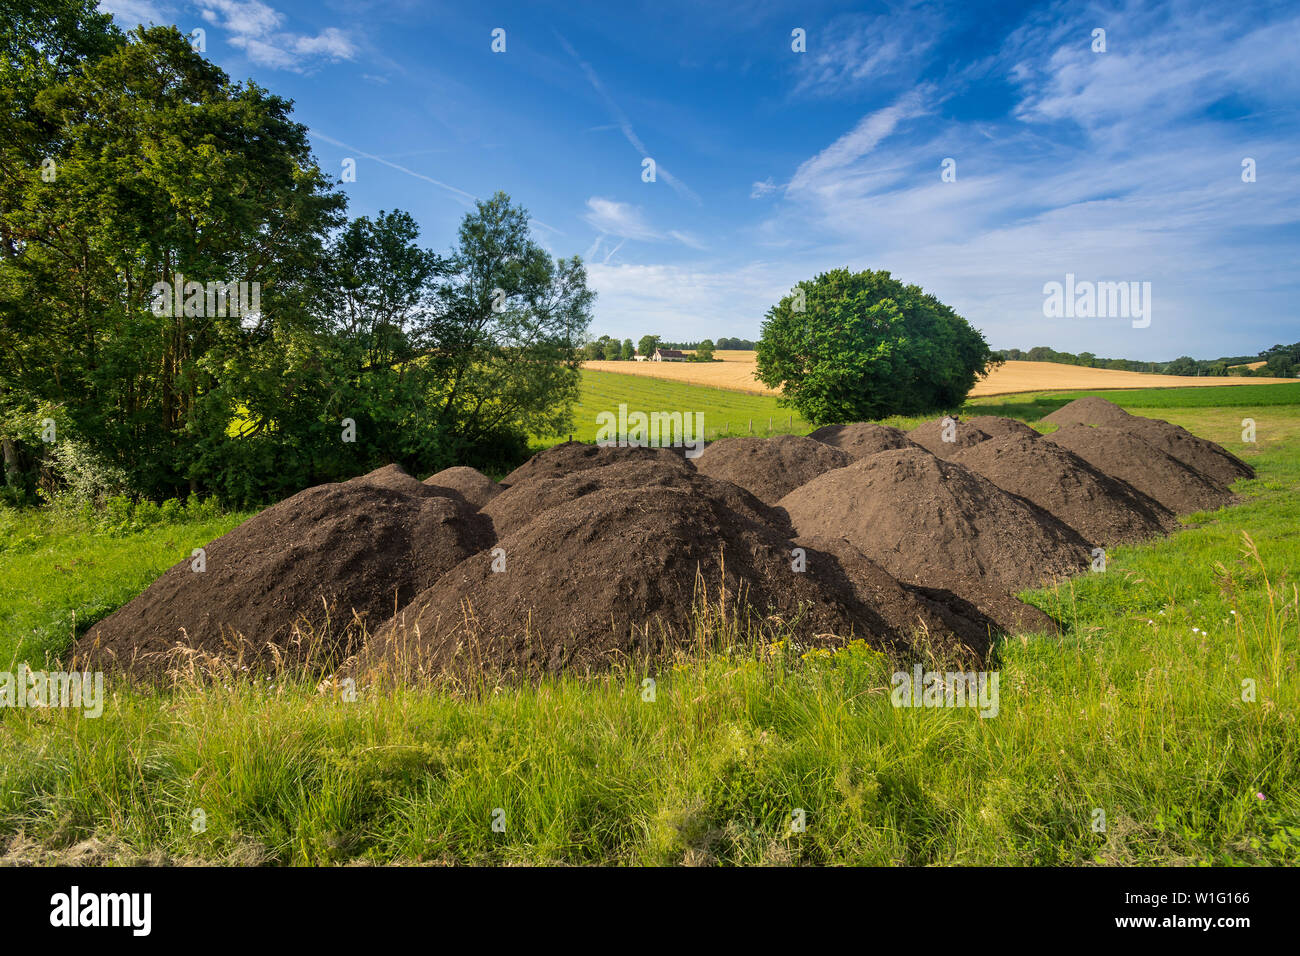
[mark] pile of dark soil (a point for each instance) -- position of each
(1104, 510)
(770, 468)
(934, 523)
(863, 438)
(617, 574)
(929, 436)
(470, 483)
(523, 502)
(578, 456)
(1089, 410)
(1118, 452)
(397, 478)
(1206, 457)
(324, 565)
(997, 427)
(975, 616)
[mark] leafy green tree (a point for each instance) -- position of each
(160, 166)
(704, 351)
(507, 372)
(628, 350)
(867, 346)
(1183, 365)
(647, 345)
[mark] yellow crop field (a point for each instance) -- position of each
(736, 373)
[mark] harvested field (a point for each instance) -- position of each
(1102, 509)
(770, 468)
(1122, 454)
(325, 564)
(934, 523)
(863, 438)
(736, 372)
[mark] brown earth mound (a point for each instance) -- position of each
(471, 484)
(976, 615)
(1089, 410)
(997, 427)
(520, 504)
(397, 478)
(574, 456)
(934, 523)
(1209, 459)
(863, 438)
(1104, 510)
(616, 574)
(929, 436)
(770, 468)
(1121, 454)
(330, 560)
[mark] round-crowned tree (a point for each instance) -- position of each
(853, 346)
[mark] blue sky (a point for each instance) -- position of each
(774, 165)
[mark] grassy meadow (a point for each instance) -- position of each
(1136, 710)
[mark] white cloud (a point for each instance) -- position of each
(134, 12)
(255, 28)
(1107, 167)
(612, 218)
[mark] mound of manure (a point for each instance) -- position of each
(470, 483)
(1121, 454)
(1102, 509)
(974, 617)
(323, 564)
(578, 456)
(397, 478)
(935, 523)
(863, 438)
(1089, 410)
(769, 468)
(996, 426)
(1201, 455)
(929, 435)
(519, 504)
(617, 575)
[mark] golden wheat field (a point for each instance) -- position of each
(736, 373)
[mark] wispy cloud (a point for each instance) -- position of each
(625, 125)
(613, 218)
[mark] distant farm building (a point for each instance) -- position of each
(668, 355)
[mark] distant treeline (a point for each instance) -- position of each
(1280, 361)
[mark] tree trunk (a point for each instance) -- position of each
(11, 461)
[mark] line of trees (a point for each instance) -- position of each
(128, 161)
(1280, 361)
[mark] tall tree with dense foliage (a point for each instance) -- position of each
(848, 347)
(159, 167)
(137, 184)
(506, 331)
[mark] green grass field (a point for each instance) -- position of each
(725, 412)
(1137, 711)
